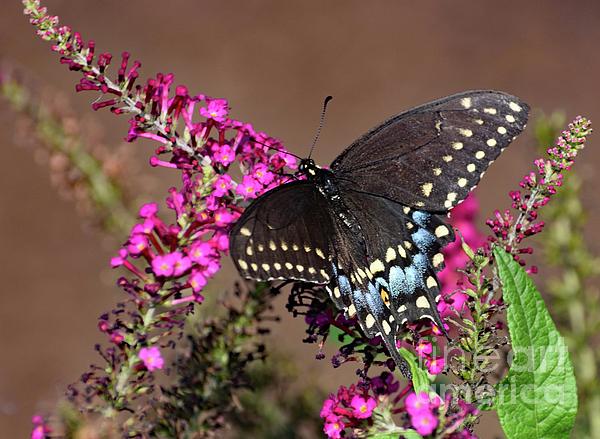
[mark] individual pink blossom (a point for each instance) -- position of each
(137, 244)
(40, 429)
(222, 186)
(197, 281)
(435, 365)
(151, 358)
(424, 422)
(248, 188)
(424, 348)
(216, 110)
(263, 175)
(119, 260)
(327, 408)
(333, 428)
(224, 155)
(148, 210)
(362, 408)
(224, 217)
(164, 265)
(416, 403)
(181, 264)
(202, 253)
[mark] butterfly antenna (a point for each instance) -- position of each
(273, 148)
(321, 122)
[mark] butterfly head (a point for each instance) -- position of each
(308, 168)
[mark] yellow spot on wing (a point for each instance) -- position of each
(431, 283)
(491, 142)
(401, 251)
(426, 188)
(466, 102)
(370, 321)
(457, 146)
(465, 132)
(441, 231)
(438, 259)
(245, 231)
(243, 265)
(390, 254)
(386, 327)
(514, 106)
(377, 266)
(422, 302)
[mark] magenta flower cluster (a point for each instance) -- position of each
(353, 406)
(510, 229)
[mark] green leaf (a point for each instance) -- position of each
(538, 397)
(420, 379)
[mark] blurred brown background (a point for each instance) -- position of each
(274, 61)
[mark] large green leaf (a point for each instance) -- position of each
(420, 379)
(538, 397)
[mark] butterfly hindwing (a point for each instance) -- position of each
(401, 255)
(284, 235)
(430, 157)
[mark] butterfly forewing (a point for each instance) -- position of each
(285, 235)
(430, 157)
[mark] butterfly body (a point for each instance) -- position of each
(372, 226)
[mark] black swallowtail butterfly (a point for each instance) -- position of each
(371, 227)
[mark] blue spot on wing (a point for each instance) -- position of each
(421, 218)
(423, 239)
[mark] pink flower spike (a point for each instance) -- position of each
(216, 110)
(424, 348)
(151, 358)
(424, 422)
(436, 365)
(361, 408)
